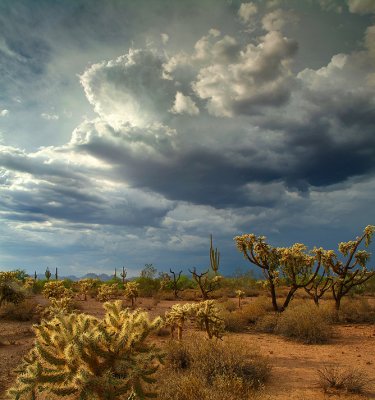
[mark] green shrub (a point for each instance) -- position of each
(304, 322)
(148, 287)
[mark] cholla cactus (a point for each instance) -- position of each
(56, 289)
(85, 285)
(107, 292)
(10, 288)
(240, 295)
(80, 356)
(208, 317)
(63, 305)
(29, 283)
(131, 291)
(177, 316)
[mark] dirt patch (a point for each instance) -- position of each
(294, 365)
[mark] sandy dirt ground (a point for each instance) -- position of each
(294, 365)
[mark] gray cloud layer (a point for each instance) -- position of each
(213, 137)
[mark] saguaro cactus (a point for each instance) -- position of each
(47, 274)
(81, 356)
(123, 275)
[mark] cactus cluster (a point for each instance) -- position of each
(131, 291)
(83, 357)
(56, 290)
(85, 286)
(107, 292)
(205, 314)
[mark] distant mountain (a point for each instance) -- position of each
(102, 277)
(91, 275)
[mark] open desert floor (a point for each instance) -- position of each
(294, 365)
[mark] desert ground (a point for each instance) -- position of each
(294, 365)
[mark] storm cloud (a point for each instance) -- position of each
(221, 133)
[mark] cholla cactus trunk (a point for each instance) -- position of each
(240, 294)
(56, 275)
(131, 292)
(35, 276)
(81, 356)
(177, 316)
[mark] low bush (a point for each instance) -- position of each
(24, 311)
(267, 323)
(342, 379)
(304, 322)
(227, 305)
(190, 295)
(209, 370)
(356, 311)
(256, 309)
(234, 321)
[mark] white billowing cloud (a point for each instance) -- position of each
(130, 89)
(260, 76)
(50, 117)
(277, 19)
(164, 38)
(204, 45)
(4, 113)
(362, 6)
(184, 105)
(247, 11)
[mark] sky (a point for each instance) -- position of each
(132, 130)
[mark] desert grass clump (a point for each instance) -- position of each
(342, 379)
(256, 309)
(212, 370)
(234, 321)
(24, 311)
(357, 310)
(267, 323)
(87, 358)
(304, 322)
